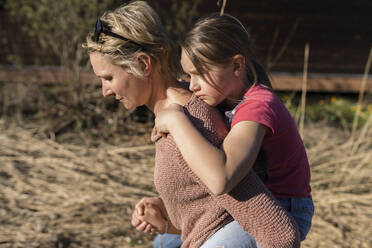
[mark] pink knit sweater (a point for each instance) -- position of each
(198, 213)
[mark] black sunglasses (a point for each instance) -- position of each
(100, 28)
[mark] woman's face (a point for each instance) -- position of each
(213, 87)
(128, 89)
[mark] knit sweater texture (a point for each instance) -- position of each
(197, 212)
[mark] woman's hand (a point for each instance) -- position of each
(168, 117)
(157, 201)
(153, 216)
(139, 212)
(140, 224)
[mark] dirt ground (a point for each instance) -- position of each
(62, 195)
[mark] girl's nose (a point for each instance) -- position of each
(106, 90)
(194, 86)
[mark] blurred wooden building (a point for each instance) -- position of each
(339, 34)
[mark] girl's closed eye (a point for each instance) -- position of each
(186, 77)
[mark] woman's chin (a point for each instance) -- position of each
(128, 106)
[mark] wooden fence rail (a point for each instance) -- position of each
(317, 82)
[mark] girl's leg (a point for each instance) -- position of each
(231, 235)
(302, 210)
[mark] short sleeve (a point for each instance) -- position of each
(257, 111)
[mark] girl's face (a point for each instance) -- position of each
(128, 89)
(219, 83)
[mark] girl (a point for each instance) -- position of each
(222, 73)
(135, 59)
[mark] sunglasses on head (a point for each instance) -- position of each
(100, 28)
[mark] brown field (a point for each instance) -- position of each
(62, 195)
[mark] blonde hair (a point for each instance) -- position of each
(141, 25)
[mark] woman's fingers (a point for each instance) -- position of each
(135, 221)
(140, 207)
(141, 227)
(148, 228)
(145, 207)
(159, 203)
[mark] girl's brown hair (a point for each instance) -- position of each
(215, 39)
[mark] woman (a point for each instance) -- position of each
(134, 58)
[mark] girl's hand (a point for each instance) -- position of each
(168, 117)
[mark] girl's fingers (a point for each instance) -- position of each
(175, 106)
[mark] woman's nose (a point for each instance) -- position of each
(106, 90)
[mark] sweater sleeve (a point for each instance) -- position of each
(250, 203)
(256, 210)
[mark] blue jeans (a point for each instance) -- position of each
(167, 241)
(231, 235)
(301, 209)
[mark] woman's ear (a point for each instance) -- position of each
(145, 63)
(238, 62)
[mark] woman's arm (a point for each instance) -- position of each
(219, 169)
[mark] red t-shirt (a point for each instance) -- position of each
(289, 170)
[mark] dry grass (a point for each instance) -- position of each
(341, 183)
(54, 195)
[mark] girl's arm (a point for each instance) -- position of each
(219, 169)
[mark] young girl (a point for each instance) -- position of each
(222, 73)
